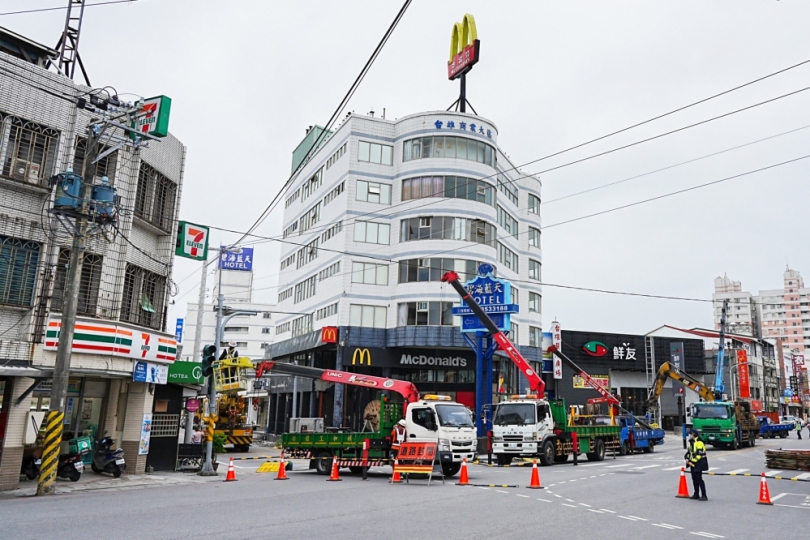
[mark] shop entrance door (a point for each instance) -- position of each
(163, 441)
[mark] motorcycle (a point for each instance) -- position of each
(107, 460)
(70, 466)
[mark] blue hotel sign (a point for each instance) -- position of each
(490, 293)
(239, 259)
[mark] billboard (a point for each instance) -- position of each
(240, 259)
(742, 373)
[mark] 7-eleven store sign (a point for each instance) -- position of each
(192, 241)
(95, 337)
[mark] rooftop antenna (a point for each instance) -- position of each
(68, 45)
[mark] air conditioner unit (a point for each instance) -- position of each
(26, 171)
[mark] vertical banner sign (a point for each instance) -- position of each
(798, 371)
(178, 330)
(146, 435)
(676, 360)
(556, 340)
(742, 373)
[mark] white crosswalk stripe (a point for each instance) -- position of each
(678, 468)
(803, 476)
(619, 465)
(644, 467)
(738, 471)
(773, 473)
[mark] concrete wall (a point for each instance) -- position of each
(13, 442)
(139, 402)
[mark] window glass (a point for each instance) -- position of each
(364, 151)
(534, 205)
(534, 237)
(534, 269)
(376, 153)
(368, 316)
(362, 191)
(359, 231)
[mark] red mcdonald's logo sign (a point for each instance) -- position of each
(329, 334)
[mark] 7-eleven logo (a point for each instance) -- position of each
(145, 347)
(195, 240)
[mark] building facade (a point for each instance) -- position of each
(125, 278)
(374, 218)
(742, 314)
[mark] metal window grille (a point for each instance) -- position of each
(31, 152)
(155, 198)
(144, 297)
(88, 284)
(165, 425)
(19, 260)
(104, 167)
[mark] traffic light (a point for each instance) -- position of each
(209, 356)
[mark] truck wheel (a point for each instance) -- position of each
(734, 443)
(547, 454)
(503, 459)
(323, 462)
(650, 448)
(624, 449)
(561, 459)
(783, 435)
(451, 469)
(598, 453)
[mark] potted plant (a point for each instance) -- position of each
(217, 447)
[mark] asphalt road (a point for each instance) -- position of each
(630, 496)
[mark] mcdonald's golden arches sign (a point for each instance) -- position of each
(329, 334)
(464, 47)
(361, 357)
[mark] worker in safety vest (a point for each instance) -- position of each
(397, 438)
(697, 463)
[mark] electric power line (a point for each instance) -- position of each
(40, 10)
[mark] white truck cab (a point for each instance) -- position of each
(521, 426)
(436, 416)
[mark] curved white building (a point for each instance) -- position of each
(374, 218)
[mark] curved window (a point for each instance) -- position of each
(448, 228)
(440, 146)
(415, 270)
(452, 187)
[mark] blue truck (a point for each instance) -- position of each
(769, 430)
(638, 435)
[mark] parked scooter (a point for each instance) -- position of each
(105, 459)
(70, 466)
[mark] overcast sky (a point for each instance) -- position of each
(247, 77)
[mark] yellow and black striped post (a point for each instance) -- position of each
(210, 426)
(50, 451)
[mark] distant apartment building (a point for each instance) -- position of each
(785, 312)
(742, 316)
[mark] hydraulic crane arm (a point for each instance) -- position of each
(404, 388)
(667, 371)
(719, 385)
(607, 397)
(536, 384)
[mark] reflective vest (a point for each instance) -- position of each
(397, 438)
(697, 452)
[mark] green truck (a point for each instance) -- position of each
(524, 426)
(725, 423)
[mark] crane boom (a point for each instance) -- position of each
(668, 371)
(406, 389)
(719, 385)
(607, 397)
(536, 383)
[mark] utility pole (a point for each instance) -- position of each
(208, 466)
(54, 421)
(197, 341)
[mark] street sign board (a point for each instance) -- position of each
(178, 330)
(186, 373)
(192, 405)
(192, 241)
(556, 340)
(153, 116)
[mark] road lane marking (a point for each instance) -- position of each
(678, 468)
(606, 510)
(636, 517)
(710, 469)
(738, 471)
(627, 518)
(595, 511)
(544, 500)
(706, 535)
(586, 505)
(558, 496)
(479, 487)
(502, 491)
(802, 476)
(524, 496)
(569, 505)
(569, 500)
(619, 465)
(773, 473)
(666, 526)
(645, 467)
(777, 497)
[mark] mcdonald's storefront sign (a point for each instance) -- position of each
(361, 357)
(329, 334)
(464, 48)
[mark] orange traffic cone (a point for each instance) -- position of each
(764, 493)
(334, 477)
(683, 489)
(396, 478)
(282, 473)
(464, 480)
(231, 477)
(535, 481)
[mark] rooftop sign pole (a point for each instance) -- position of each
(464, 52)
